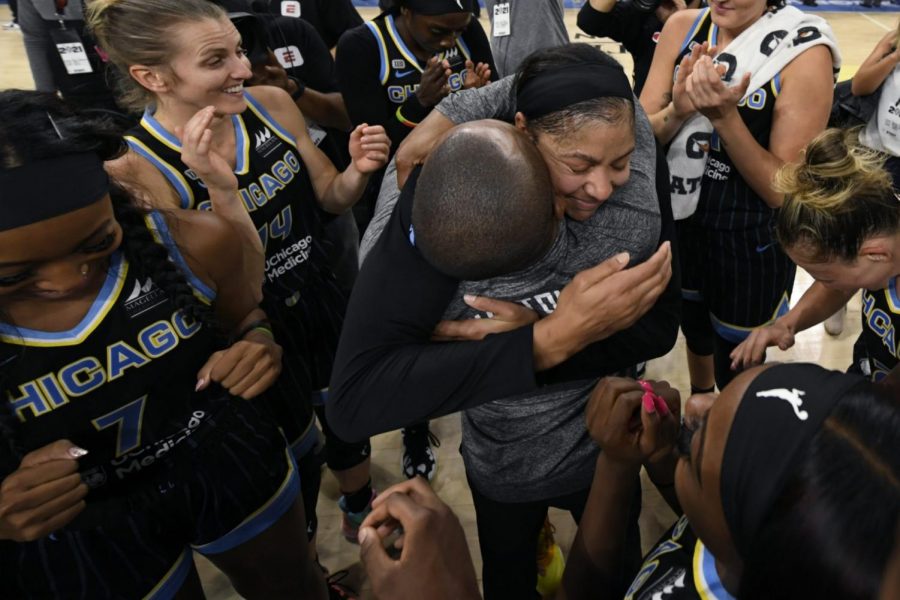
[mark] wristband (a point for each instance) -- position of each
(301, 88)
(259, 324)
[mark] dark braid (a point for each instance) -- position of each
(150, 259)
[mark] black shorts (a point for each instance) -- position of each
(216, 492)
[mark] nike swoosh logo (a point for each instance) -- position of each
(405, 73)
(764, 248)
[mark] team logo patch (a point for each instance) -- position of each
(794, 397)
(290, 8)
(398, 63)
(266, 143)
(143, 297)
(289, 57)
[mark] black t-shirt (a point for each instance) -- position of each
(679, 567)
(637, 31)
(330, 18)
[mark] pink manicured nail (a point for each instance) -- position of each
(647, 400)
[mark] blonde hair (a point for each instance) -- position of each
(138, 32)
(837, 196)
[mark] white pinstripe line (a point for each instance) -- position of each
(877, 23)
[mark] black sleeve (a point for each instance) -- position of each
(479, 46)
(336, 17)
(358, 65)
(623, 23)
(654, 334)
(387, 371)
(316, 66)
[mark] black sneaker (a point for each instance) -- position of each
(418, 458)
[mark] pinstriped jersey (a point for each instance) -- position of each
(880, 330)
(726, 201)
(120, 383)
(273, 183)
(400, 70)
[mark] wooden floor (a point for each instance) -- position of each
(857, 34)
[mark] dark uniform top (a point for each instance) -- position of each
(301, 296)
(330, 18)
(378, 77)
(877, 350)
(119, 384)
(378, 74)
(678, 568)
(731, 258)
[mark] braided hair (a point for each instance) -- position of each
(39, 125)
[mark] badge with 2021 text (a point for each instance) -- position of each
(501, 26)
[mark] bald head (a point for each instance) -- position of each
(483, 202)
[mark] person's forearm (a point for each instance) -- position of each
(381, 389)
(816, 305)
(755, 164)
(597, 555)
(227, 204)
(662, 475)
(344, 191)
(326, 109)
(666, 123)
(872, 74)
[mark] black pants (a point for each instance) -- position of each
(702, 339)
(508, 535)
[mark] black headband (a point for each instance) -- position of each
(438, 7)
(783, 408)
(562, 87)
(47, 188)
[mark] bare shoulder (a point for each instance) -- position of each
(142, 180)
(279, 104)
(812, 65)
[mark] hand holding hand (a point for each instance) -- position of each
(246, 368)
(369, 148)
(629, 423)
(752, 351)
(434, 560)
(43, 494)
(504, 316)
(198, 154)
(709, 94)
(434, 84)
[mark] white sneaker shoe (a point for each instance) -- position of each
(834, 325)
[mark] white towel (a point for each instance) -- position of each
(763, 50)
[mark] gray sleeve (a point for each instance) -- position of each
(384, 206)
(493, 101)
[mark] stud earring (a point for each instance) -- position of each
(85, 269)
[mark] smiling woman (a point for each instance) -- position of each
(207, 143)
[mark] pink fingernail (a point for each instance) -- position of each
(76, 452)
(646, 385)
(661, 405)
(647, 400)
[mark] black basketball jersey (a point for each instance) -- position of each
(679, 567)
(879, 340)
(301, 296)
(120, 383)
(401, 72)
(273, 184)
(727, 203)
